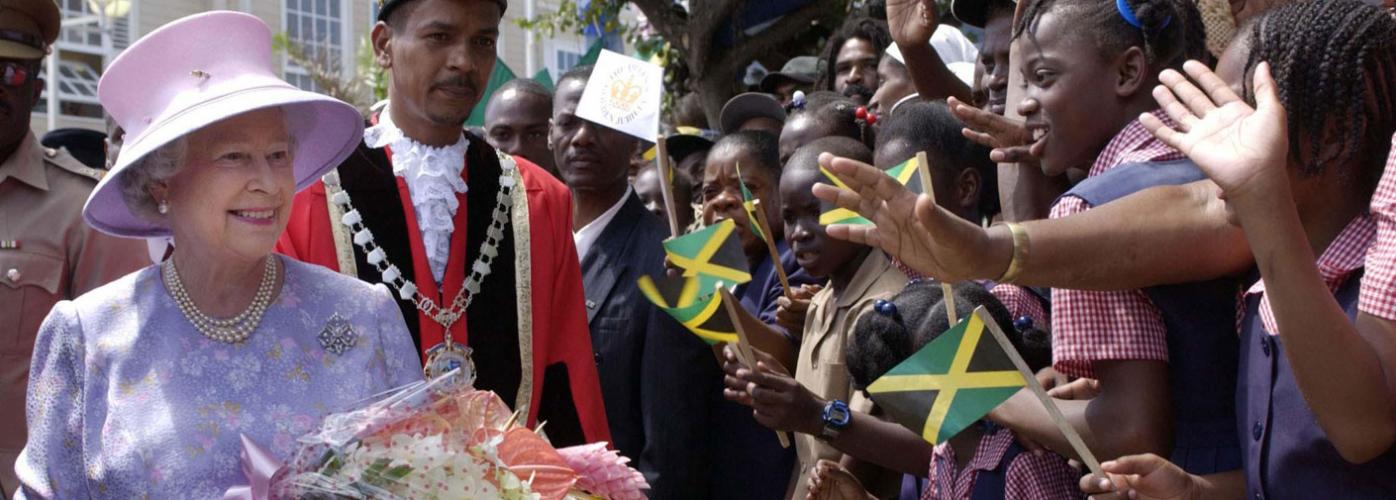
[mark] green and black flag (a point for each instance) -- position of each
(906, 173)
(712, 254)
(702, 314)
(749, 204)
(951, 383)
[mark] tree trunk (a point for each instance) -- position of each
(713, 91)
(713, 72)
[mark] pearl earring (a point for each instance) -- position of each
(163, 207)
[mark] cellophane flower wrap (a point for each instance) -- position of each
(438, 440)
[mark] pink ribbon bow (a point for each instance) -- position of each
(260, 466)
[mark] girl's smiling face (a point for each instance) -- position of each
(1073, 105)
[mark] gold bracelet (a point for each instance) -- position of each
(1020, 253)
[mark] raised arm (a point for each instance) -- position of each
(1345, 371)
(1147, 238)
(912, 22)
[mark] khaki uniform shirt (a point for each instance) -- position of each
(47, 254)
(821, 368)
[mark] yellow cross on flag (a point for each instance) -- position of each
(951, 383)
(713, 254)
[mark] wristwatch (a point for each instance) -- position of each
(836, 417)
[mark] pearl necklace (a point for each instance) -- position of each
(232, 330)
(392, 276)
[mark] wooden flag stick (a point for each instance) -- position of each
(765, 225)
(923, 169)
(666, 185)
(744, 347)
(948, 291)
(1028, 376)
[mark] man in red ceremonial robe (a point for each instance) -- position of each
(433, 211)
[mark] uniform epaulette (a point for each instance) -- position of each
(61, 159)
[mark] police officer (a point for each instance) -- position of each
(47, 253)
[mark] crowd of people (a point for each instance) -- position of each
(1182, 214)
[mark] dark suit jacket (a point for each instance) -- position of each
(661, 384)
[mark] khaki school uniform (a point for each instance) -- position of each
(821, 368)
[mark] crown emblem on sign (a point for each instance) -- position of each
(626, 92)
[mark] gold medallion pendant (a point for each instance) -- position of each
(447, 356)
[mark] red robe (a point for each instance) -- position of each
(560, 333)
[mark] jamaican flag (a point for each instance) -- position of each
(905, 174)
(951, 383)
(830, 213)
(680, 298)
(712, 254)
(749, 204)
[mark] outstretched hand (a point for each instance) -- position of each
(927, 238)
(1242, 149)
(1140, 477)
(1008, 138)
(912, 22)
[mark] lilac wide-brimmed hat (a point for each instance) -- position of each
(197, 71)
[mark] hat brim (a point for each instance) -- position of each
(326, 131)
(15, 50)
(773, 80)
(682, 145)
(973, 12)
(744, 107)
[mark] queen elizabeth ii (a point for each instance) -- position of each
(142, 388)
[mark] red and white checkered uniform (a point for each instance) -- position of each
(1029, 476)
(1379, 281)
(1089, 325)
(1022, 302)
(1017, 300)
(1343, 256)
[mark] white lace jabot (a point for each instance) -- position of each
(433, 178)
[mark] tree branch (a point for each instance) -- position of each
(782, 32)
(667, 20)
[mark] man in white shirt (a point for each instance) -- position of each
(660, 383)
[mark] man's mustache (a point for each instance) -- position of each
(857, 90)
(458, 81)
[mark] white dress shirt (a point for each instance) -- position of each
(588, 234)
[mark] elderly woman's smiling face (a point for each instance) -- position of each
(232, 196)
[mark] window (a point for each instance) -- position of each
(567, 60)
(81, 54)
(89, 35)
(562, 55)
(315, 29)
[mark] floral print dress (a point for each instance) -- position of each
(128, 400)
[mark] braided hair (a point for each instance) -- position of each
(1171, 32)
(1334, 63)
(882, 339)
(838, 114)
(864, 28)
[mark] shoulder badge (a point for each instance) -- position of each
(64, 161)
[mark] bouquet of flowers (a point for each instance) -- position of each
(436, 439)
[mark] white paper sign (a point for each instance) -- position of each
(624, 94)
